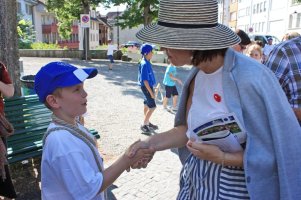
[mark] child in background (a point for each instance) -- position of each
(72, 167)
(255, 51)
(170, 87)
(146, 80)
(110, 52)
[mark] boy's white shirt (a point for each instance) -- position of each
(111, 48)
(69, 169)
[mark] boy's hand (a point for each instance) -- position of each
(152, 95)
(180, 82)
(139, 154)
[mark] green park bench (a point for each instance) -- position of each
(30, 119)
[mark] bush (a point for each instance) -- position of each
(43, 46)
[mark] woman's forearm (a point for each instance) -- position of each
(173, 138)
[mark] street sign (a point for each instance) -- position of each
(85, 20)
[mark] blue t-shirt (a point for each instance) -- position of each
(167, 80)
(146, 73)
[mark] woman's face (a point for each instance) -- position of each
(179, 57)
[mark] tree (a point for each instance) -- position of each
(66, 11)
(137, 12)
(26, 34)
(9, 52)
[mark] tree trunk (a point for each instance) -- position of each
(147, 16)
(9, 52)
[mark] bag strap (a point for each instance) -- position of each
(78, 135)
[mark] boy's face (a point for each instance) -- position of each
(149, 55)
(71, 102)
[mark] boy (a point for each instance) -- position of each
(146, 80)
(170, 87)
(110, 52)
(72, 167)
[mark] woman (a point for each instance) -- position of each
(6, 90)
(224, 83)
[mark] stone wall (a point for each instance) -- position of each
(95, 54)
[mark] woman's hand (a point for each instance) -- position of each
(214, 154)
(206, 151)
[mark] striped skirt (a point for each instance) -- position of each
(205, 180)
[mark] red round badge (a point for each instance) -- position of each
(217, 97)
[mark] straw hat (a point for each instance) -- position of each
(189, 24)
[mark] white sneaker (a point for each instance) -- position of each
(174, 109)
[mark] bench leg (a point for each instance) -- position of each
(25, 180)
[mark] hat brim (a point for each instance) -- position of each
(72, 80)
(217, 37)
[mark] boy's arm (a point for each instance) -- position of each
(175, 79)
(124, 162)
(149, 88)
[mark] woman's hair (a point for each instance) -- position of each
(254, 47)
(206, 55)
(58, 93)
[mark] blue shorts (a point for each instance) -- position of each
(149, 101)
(110, 57)
(171, 90)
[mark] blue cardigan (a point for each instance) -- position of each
(272, 158)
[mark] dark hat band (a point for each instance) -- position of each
(173, 25)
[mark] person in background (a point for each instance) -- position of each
(71, 166)
(245, 41)
(285, 62)
(6, 90)
(255, 51)
(170, 87)
(221, 83)
(146, 80)
(290, 35)
(110, 52)
(267, 49)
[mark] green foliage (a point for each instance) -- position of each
(68, 10)
(137, 12)
(26, 34)
(43, 46)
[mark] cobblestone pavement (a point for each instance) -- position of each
(115, 109)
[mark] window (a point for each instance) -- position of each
(43, 20)
(264, 6)
(28, 9)
(254, 9)
(247, 11)
(233, 16)
(257, 6)
(298, 25)
(261, 5)
(19, 8)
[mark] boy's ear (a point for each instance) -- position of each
(52, 102)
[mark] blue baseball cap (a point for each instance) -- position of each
(270, 38)
(58, 75)
(145, 49)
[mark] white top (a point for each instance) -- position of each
(111, 48)
(267, 49)
(69, 170)
(207, 100)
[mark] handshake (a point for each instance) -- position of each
(138, 155)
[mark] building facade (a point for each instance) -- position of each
(275, 17)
